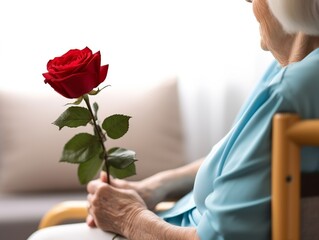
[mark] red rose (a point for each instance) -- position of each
(75, 73)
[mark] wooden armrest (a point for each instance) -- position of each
(67, 210)
(77, 210)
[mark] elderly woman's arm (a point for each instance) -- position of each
(149, 226)
(124, 212)
(123, 207)
(166, 185)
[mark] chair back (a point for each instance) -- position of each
(295, 196)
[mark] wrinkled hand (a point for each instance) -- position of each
(150, 189)
(112, 209)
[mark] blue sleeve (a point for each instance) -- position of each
(238, 206)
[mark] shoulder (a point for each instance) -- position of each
(300, 85)
(304, 71)
(303, 77)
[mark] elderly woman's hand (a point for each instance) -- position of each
(169, 184)
(113, 209)
(122, 206)
(159, 187)
(151, 189)
(124, 212)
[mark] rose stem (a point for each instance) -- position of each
(98, 130)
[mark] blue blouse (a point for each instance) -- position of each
(231, 194)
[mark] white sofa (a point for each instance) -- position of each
(31, 177)
(173, 122)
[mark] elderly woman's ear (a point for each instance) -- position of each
(297, 15)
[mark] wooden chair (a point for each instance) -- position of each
(67, 211)
(289, 134)
(293, 218)
(76, 211)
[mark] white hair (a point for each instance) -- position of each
(297, 15)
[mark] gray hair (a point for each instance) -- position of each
(297, 15)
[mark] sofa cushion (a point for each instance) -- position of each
(31, 146)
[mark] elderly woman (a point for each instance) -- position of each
(229, 191)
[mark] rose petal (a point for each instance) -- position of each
(77, 85)
(57, 88)
(76, 72)
(103, 72)
(71, 62)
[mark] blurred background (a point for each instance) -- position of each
(210, 46)
(212, 49)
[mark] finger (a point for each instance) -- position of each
(103, 176)
(90, 221)
(94, 185)
(89, 198)
(119, 183)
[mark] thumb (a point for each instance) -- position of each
(103, 176)
(114, 182)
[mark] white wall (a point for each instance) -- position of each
(211, 46)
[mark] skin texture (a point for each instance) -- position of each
(286, 48)
(123, 208)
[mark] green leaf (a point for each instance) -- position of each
(81, 148)
(116, 125)
(121, 162)
(123, 173)
(117, 152)
(121, 158)
(89, 169)
(73, 117)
